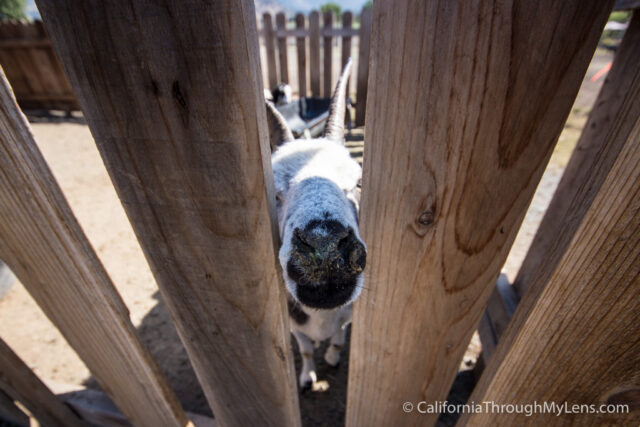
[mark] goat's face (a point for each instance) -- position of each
(322, 254)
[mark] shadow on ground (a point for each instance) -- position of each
(317, 408)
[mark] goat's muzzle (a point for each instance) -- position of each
(326, 261)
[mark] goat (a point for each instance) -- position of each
(279, 95)
(322, 255)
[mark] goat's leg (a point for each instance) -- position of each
(308, 375)
(332, 355)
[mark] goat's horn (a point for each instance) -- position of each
(334, 129)
(279, 131)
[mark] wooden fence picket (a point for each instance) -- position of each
(195, 179)
(281, 23)
(314, 52)
(435, 248)
(327, 44)
(43, 244)
(363, 65)
(302, 56)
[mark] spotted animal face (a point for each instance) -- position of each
(322, 254)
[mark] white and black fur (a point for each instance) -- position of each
(279, 95)
(322, 254)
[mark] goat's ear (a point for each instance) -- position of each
(334, 129)
(279, 131)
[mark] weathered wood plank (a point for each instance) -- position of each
(327, 44)
(302, 57)
(41, 61)
(281, 23)
(314, 52)
(195, 179)
(21, 60)
(604, 134)
(270, 44)
(578, 343)
(347, 19)
(10, 412)
(56, 67)
(467, 101)
(45, 247)
(11, 66)
(19, 382)
(363, 65)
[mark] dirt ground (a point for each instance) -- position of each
(71, 153)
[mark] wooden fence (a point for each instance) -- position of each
(33, 69)
(316, 44)
(30, 64)
(453, 159)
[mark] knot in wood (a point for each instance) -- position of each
(426, 218)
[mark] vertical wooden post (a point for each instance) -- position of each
(45, 247)
(327, 44)
(19, 382)
(579, 342)
(347, 19)
(459, 135)
(269, 41)
(363, 65)
(606, 130)
(180, 122)
(302, 57)
(314, 52)
(281, 23)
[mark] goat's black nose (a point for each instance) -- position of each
(329, 247)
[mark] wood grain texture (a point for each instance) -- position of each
(10, 412)
(270, 44)
(579, 342)
(363, 65)
(43, 244)
(301, 48)
(466, 104)
(281, 23)
(314, 52)
(327, 44)
(179, 119)
(608, 127)
(19, 382)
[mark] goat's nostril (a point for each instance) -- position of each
(358, 258)
(303, 239)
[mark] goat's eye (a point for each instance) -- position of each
(359, 184)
